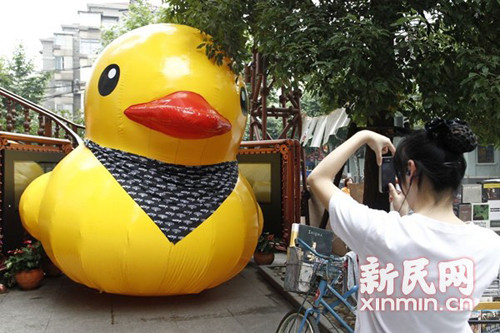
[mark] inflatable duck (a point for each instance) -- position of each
(152, 203)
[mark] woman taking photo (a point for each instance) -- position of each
(422, 272)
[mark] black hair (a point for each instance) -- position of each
(437, 152)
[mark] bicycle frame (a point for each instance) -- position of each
(323, 287)
(329, 307)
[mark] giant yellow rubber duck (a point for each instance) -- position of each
(152, 203)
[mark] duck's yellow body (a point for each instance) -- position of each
(92, 228)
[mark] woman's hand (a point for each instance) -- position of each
(398, 200)
(380, 144)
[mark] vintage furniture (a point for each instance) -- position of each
(273, 169)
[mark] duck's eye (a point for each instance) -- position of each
(109, 79)
(244, 101)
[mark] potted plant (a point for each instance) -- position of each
(24, 265)
(3, 269)
(267, 245)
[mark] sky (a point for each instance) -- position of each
(27, 21)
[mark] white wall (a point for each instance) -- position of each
(479, 171)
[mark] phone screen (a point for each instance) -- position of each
(386, 174)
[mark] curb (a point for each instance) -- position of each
(295, 300)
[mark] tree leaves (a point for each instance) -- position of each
(226, 21)
(140, 13)
(18, 75)
(420, 58)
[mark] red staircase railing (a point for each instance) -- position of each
(19, 115)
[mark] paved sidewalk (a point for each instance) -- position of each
(247, 303)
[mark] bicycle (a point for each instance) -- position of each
(327, 272)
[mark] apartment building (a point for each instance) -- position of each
(70, 53)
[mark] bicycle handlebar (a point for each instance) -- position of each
(304, 244)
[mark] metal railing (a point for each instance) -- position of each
(19, 115)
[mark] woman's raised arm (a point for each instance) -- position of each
(321, 178)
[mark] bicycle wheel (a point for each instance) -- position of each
(291, 323)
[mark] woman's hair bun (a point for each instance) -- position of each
(453, 135)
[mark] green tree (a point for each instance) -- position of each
(454, 57)
(418, 58)
(4, 77)
(421, 58)
(140, 13)
(18, 75)
(312, 105)
(229, 23)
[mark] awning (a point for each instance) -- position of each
(317, 130)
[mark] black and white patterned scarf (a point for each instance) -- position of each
(177, 198)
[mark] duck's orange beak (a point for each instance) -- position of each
(183, 114)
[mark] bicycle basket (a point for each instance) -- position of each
(298, 274)
(302, 271)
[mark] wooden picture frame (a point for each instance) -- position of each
(284, 158)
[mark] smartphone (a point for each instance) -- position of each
(386, 174)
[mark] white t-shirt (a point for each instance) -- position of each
(417, 274)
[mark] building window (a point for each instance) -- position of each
(90, 46)
(59, 63)
(485, 154)
(63, 63)
(64, 41)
